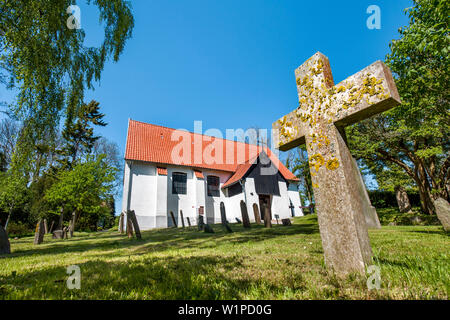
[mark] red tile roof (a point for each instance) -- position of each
(162, 145)
(199, 174)
(161, 171)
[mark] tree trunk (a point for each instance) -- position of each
(61, 220)
(402, 199)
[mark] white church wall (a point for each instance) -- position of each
(177, 202)
(143, 192)
(280, 204)
(294, 196)
(212, 204)
(252, 197)
(161, 202)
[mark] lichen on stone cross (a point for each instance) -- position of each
(324, 110)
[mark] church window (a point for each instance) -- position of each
(179, 183)
(213, 183)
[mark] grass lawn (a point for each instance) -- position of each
(278, 263)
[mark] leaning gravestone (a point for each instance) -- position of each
(132, 217)
(286, 222)
(245, 218)
(443, 212)
(39, 232)
(319, 122)
(5, 247)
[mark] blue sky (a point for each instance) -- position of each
(229, 63)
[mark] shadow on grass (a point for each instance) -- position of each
(150, 278)
(165, 239)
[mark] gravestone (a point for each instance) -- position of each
(245, 218)
(189, 221)
(223, 216)
(256, 213)
(58, 234)
(45, 226)
(174, 221)
(129, 227)
(5, 247)
(133, 219)
(51, 227)
(267, 218)
(201, 222)
(65, 233)
(39, 232)
(121, 222)
(443, 212)
(238, 220)
(286, 222)
(402, 199)
(325, 110)
(182, 218)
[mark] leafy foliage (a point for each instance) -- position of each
(410, 143)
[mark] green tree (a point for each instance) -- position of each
(83, 190)
(414, 136)
(49, 65)
(78, 134)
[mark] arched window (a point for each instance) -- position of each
(179, 183)
(213, 185)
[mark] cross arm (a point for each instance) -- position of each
(288, 133)
(364, 94)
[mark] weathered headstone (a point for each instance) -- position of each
(174, 221)
(402, 199)
(244, 213)
(325, 109)
(182, 218)
(58, 234)
(238, 220)
(39, 232)
(121, 222)
(45, 226)
(5, 247)
(129, 227)
(201, 222)
(267, 218)
(443, 212)
(189, 221)
(208, 228)
(132, 217)
(256, 213)
(65, 233)
(223, 216)
(286, 222)
(51, 227)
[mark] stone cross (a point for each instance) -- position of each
(319, 121)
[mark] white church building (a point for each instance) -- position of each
(172, 177)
